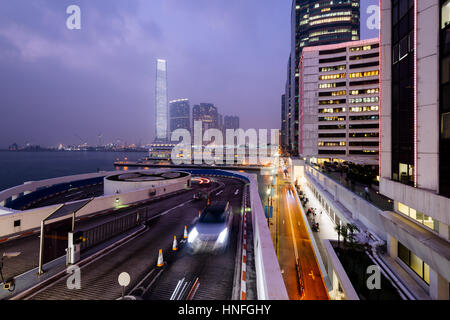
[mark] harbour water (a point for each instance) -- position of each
(19, 167)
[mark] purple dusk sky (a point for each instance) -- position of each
(57, 83)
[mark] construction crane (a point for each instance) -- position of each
(100, 135)
(82, 141)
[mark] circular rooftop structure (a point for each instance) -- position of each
(136, 180)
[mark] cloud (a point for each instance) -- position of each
(101, 78)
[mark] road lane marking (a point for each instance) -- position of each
(171, 209)
(293, 232)
(236, 192)
(219, 192)
(311, 274)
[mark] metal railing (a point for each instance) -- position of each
(105, 231)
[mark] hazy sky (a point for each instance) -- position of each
(57, 83)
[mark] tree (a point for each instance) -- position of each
(352, 228)
(338, 229)
(344, 233)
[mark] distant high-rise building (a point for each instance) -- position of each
(221, 124)
(206, 113)
(13, 147)
(161, 98)
(313, 23)
(179, 115)
(287, 116)
(231, 122)
(283, 141)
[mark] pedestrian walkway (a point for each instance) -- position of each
(373, 196)
(326, 225)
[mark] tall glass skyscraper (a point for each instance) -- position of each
(179, 115)
(161, 106)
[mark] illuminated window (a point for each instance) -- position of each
(414, 262)
(333, 76)
(331, 144)
(364, 109)
(325, 102)
(331, 85)
(334, 68)
(364, 74)
(330, 110)
(445, 13)
(341, 118)
(364, 48)
(365, 91)
(330, 20)
(364, 100)
(418, 216)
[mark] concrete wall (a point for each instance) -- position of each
(270, 283)
(113, 187)
(385, 89)
(428, 202)
(428, 94)
(31, 186)
(338, 276)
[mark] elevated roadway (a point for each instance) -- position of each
(138, 256)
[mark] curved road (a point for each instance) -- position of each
(139, 256)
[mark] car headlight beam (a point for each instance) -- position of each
(222, 235)
(192, 235)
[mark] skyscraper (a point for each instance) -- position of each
(231, 122)
(179, 115)
(316, 22)
(283, 122)
(161, 98)
(206, 113)
(415, 126)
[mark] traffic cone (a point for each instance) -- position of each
(175, 244)
(185, 233)
(199, 213)
(160, 259)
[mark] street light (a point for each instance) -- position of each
(268, 205)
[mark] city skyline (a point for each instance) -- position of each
(228, 151)
(86, 92)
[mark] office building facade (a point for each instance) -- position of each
(338, 102)
(161, 102)
(415, 47)
(283, 142)
(231, 122)
(208, 114)
(179, 115)
(313, 23)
